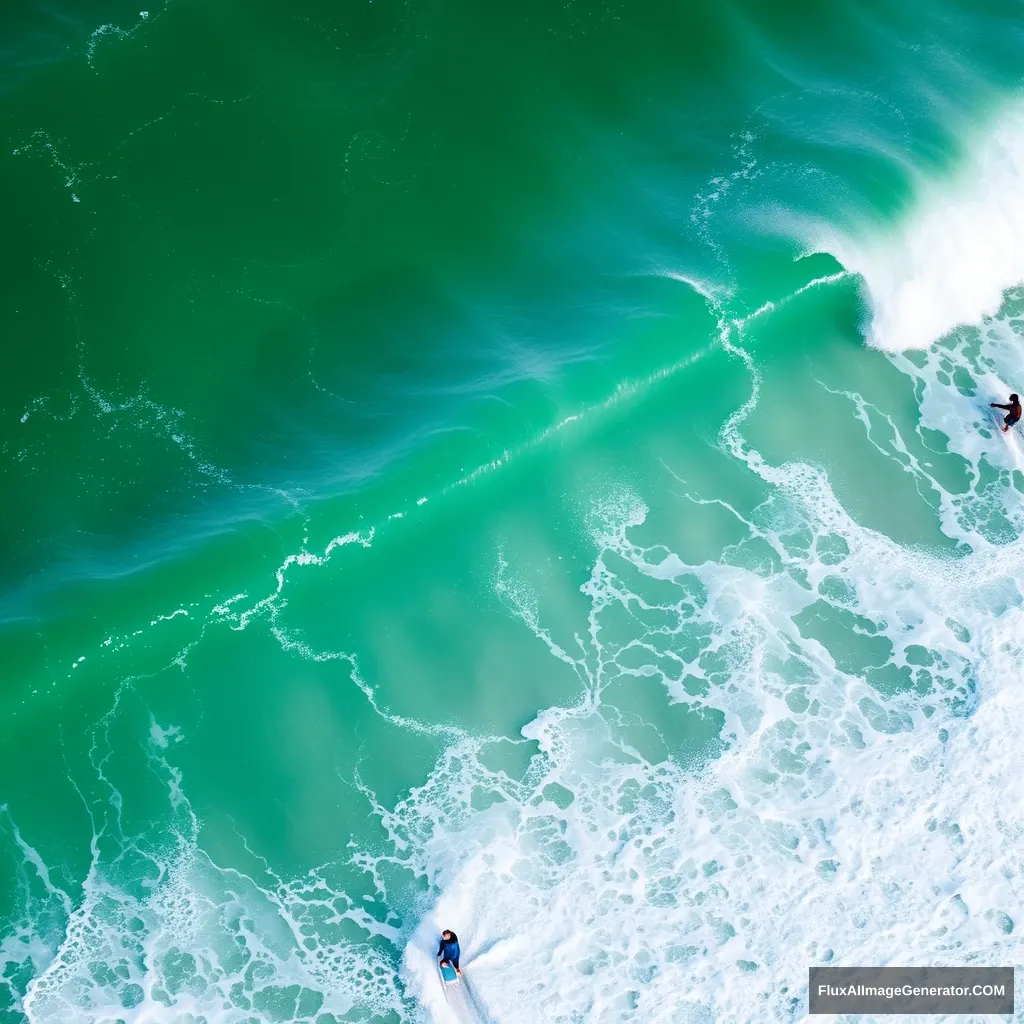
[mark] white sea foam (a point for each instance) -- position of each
(847, 822)
(959, 247)
(161, 934)
(109, 30)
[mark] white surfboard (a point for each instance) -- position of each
(462, 1005)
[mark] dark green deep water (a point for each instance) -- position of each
(413, 514)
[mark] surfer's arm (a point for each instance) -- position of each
(996, 405)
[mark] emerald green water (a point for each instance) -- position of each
(522, 470)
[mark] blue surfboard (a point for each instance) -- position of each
(448, 974)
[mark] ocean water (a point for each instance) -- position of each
(526, 470)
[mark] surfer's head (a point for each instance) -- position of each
(1014, 398)
(446, 935)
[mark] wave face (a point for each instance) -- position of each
(958, 249)
(530, 473)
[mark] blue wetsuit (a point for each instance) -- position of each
(450, 951)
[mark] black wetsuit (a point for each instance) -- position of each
(449, 950)
(1013, 414)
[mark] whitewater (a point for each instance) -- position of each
(835, 827)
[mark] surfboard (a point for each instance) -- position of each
(462, 1005)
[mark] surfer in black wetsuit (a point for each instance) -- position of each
(1013, 412)
(449, 950)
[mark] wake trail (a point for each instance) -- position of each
(463, 1005)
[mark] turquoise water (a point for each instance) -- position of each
(526, 471)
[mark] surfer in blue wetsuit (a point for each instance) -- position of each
(449, 951)
(1013, 412)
